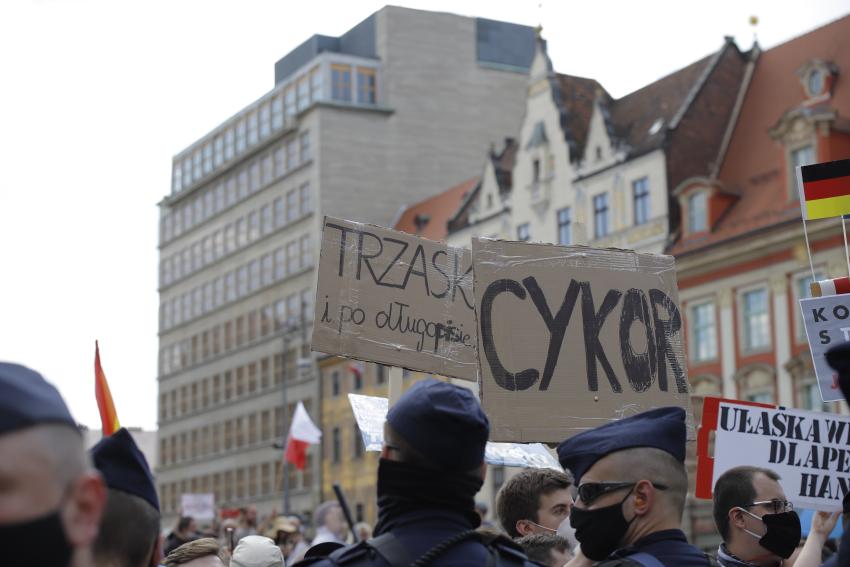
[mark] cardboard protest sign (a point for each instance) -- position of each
(390, 297)
(371, 412)
(827, 322)
(570, 337)
(809, 450)
(198, 506)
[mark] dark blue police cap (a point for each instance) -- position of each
(27, 399)
(444, 422)
(660, 428)
(124, 467)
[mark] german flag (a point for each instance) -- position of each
(824, 189)
(108, 416)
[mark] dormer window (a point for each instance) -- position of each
(817, 78)
(535, 170)
(698, 212)
(489, 200)
(598, 153)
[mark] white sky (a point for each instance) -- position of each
(97, 96)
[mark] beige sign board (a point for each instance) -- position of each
(390, 297)
(571, 337)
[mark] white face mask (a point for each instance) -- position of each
(565, 530)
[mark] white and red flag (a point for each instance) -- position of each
(302, 433)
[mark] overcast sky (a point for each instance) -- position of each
(98, 96)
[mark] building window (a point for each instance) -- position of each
(291, 205)
(208, 158)
(335, 383)
(756, 320)
(240, 136)
(304, 143)
(315, 84)
(380, 374)
(810, 398)
(366, 85)
(289, 103)
(265, 120)
(565, 226)
(640, 193)
(277, 112)
(698, 212)
(252, 128)
(358, 442)
(523, 232)
(760, 397)
(703, 331)
(600, 215)
(303, 93)
(815, 82)
(305, 197)
(336, 447)
(804, 155)
(535, 171)
(341, 82)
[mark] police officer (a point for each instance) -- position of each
(431, 467)
(129, 528)
(632, 484)
(50, 498)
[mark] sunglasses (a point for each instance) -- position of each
(590, 491)
(775, 506)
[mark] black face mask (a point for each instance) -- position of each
(39, 542)
(782, 535)
(600, 531)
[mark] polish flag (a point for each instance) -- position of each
(302, 433)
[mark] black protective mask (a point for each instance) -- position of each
(40, 541)
(783, 533)
(600, 531)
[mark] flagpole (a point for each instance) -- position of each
(804, 213)
(846, 251)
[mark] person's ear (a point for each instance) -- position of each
(736, 518)
(523, 528)
(644, 497)
(85, 506)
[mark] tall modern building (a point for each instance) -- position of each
(355, 126)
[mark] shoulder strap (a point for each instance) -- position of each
(391, 549)
(646, 559)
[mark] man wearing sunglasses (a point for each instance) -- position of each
(757, 523)
(632, 484)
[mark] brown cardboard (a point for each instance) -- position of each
(390, 297)
(509, 280)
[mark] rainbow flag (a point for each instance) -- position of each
(108, 416)
(824, 189)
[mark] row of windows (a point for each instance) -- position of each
(245, 329)
(236, 235)
(359, 380)
(237, 186)
(256, 481)
(601, 214)
(253, 127)
(334, 448)
(272, 267)
(755, 324)
(230, 385)
(261, 428)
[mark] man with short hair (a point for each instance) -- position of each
(535, 501)
(185, 531)
(632, 484)
(547, 549)
(431, 467)
(129, 528)
(51, 500)
(203, 552)
(757, 523)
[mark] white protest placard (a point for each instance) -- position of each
(809, 450)
(390, 297)
(198, 506)
(572, 337)
(827, 322)
(371, 413)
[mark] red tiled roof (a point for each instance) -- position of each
(754, 165)
(434, 213)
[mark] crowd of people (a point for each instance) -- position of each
(619, 500)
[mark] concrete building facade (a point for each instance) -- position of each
(355, 126)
